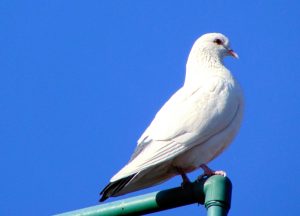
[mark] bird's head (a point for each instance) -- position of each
(214, 45)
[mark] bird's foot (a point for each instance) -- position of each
(185, 179)
(209, 172)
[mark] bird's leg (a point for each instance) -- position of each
(185, 179)
(210, 172)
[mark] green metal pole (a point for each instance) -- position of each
(201, 192)
(217, 191)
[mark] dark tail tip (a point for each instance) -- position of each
(103, 198)
(114, 187)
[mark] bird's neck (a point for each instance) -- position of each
(201, 66)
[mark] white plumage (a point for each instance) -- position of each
(193, 127)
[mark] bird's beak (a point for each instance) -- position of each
(232, 53)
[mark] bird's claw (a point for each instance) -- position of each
(185, 182)
(209, 172)
(220, 172)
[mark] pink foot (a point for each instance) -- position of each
(210, 172)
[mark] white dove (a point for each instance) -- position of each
(193, 127)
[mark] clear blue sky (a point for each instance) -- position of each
(81, 80)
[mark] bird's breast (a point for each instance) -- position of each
(213, 133)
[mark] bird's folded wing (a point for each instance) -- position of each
(189, 118)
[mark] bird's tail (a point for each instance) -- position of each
(114, 187)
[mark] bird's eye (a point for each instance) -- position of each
(218, 41)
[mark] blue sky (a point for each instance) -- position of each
(81, 80)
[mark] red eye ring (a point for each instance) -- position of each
(218, 41)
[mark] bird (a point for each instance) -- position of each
(192, 128)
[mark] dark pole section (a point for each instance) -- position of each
(206, 191)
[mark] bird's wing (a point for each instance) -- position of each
(189, 118)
